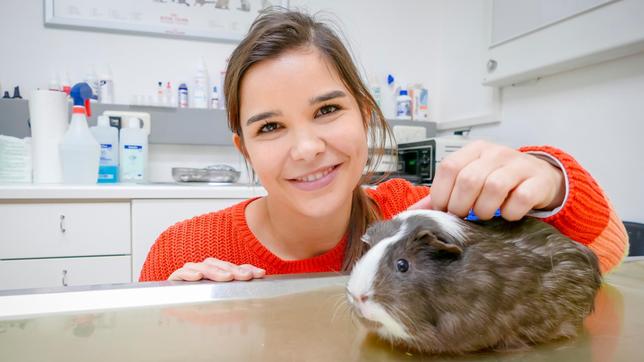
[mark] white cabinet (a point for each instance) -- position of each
(43, 273)
(58, 229)
(151, 217)
(54, 235)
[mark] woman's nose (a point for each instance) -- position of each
(306, 145)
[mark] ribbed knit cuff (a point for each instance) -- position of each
(586, 213)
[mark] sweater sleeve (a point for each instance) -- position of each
(587, 215)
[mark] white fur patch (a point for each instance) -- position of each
(451, 224)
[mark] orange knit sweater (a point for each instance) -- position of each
(587, 217)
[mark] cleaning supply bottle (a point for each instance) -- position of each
(92, 80)
(108, 138)
(133, 152)
(200, 90)
(403, 105)
(106, 87)
(183, 95)
(214, 98)
(79, 150)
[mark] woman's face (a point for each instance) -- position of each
(303, 132)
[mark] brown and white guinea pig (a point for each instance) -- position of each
(438, 284)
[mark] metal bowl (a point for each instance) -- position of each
(214, 173)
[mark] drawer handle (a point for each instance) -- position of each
(64, 277)
(62, 224)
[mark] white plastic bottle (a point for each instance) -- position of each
(200, 90)
(108, 138)
(92, 80)
(133, 155)
(79, 150)
(182, 95)
(403, 105)
(106, 87)
(214, 98)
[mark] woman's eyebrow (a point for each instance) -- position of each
(262, 116)
(327, 96)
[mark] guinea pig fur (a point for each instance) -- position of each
(435, 283)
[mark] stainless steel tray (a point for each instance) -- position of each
(211, 174)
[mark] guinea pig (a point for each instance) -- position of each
(435, 283)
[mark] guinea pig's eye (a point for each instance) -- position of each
(402, 265)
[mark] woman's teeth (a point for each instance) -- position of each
(315, 176)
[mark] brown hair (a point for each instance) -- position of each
(276, 31)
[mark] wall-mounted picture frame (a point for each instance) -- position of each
(212, 20)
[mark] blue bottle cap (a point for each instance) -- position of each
(403, 92)
(80, 92)
(390, 79)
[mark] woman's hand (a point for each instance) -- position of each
(217, 270)
(485, 177)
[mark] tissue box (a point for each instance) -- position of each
(15, 160)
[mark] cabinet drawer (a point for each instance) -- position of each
(47, 273)
(43, 230)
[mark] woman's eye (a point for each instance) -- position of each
(269, 127)
(327, 109)
(402, 265)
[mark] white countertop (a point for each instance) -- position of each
(129, 191)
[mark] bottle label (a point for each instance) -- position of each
(106, 153)
(132, 163)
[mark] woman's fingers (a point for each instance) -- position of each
(257, 272)
(522, 199)
(469, 185)
(448, 171)
(186, 275)
(496, 188)
(217, 270)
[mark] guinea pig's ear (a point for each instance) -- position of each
(440, 245)
(366, 239)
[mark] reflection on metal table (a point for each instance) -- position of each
(284, 318)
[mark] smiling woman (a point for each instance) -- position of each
(301, 116)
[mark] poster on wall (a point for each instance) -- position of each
(215, 20)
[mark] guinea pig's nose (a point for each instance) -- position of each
(362, 298)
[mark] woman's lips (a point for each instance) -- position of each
(318, 183)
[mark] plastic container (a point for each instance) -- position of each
(403, 105)
(214, 98)
(106, 87)
(133, 153)
(183, 95)
(108, 138)
(200, 92)
(92, 80)
(79, 150)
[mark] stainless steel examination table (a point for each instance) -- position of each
(302, 318)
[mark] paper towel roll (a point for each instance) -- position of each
(49, 114)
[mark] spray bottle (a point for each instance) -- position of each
(80, 153)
